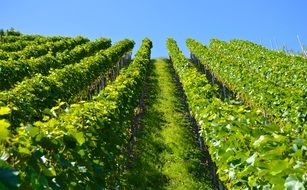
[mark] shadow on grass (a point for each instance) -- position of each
(166, 144)
(193, 154)
(145, 172)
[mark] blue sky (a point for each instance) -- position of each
(269, 22)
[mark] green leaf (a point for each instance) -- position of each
(46, 118)
(81, 152)
(50, 172)
(33, 131)
(24, 150)
(278, 166)
(4, 132)
(79, 137)
(4, 123)
(252, 180)
(277, 181)
(293, 183)
(5, 110)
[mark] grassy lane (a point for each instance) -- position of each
(166, 155)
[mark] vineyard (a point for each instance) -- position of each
(82, 114)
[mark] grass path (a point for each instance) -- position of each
(166, 155)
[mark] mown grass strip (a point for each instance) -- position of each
(166, 155)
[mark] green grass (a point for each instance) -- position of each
(166, 155)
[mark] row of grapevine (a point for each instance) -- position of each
(16, 70)
(272, 82)
(247, 153)
(22, 43)
(289, 65)
(285, 76)
(31, 98)
(15, 46)
(7, 38)
(36, 50)
(84, 147)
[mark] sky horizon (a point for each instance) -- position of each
(271, 23)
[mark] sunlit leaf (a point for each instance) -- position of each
(4, 132)
(5, 110)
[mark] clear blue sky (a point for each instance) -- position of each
(260, 21)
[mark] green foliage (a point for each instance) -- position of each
(1, 33)
(267, 80)
(14, 46)
(19, 43)
(4, 125)
(6, 39)
(247, 153)
(34, 50)
(85, 146)
(4, 132)
(32, 96)
(16, 70)
(4, 110)
(12, 32)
